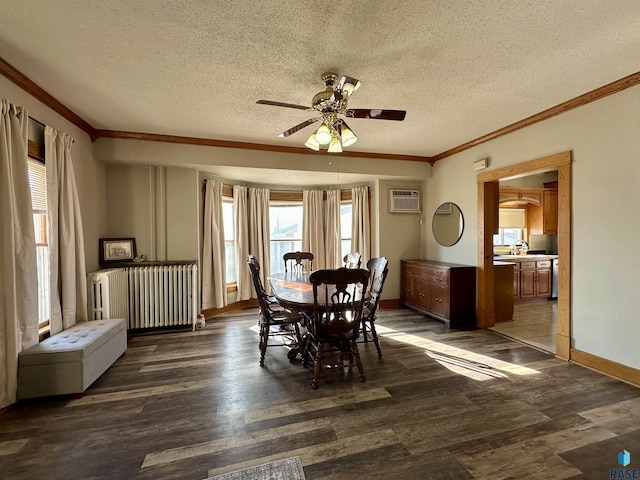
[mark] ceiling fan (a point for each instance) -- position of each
(332, 103)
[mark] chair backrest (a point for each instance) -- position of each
(298, 261)
(337, 300)
(352, 260)
(254, 268)
(377, 275)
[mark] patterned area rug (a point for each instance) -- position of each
(287, 469)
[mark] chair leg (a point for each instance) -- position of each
(264, 338)
(356, 353)
(374, 334)
(364, 330)
(317, 364)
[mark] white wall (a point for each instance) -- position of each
(158, 206)
(603, 137)
(396, 235)
(89, 173)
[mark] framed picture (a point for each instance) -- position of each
(117, 250)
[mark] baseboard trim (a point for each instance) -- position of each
(608, 367)
(212, 312)
(390, 303)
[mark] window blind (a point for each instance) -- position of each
(38, 184)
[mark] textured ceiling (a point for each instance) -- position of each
(461, 69)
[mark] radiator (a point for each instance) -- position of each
(108, 294)
(162, 296)
(147, 296)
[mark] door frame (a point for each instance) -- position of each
(488, 201)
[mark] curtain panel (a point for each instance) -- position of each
(332, 234)
(313, 226)
(214, 285)
(259, 231)
(18, 269)
(67, 271)
(241, 228)
(360, 231)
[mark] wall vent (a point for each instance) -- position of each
(402, 200)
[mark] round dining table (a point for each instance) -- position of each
(294, 291)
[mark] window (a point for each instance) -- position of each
(38, 185)
(285, 222)
(346, 215)
(506, 236)
(229, 241)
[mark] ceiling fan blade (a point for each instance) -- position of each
(376, 113)
(282, 104)
(300, 126)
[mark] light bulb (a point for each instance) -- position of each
(323, 135)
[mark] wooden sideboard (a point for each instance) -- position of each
(445, 291)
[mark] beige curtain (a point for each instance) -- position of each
(259, 230)
(18, 270)
(241, 228)
(360, 236)
(67, 271)
(333, 246)
(313, 226)
(214, 286)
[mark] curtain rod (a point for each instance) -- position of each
(36, 121)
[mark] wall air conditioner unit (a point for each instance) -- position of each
(402, 200)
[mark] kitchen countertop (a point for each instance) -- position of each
(522, 258)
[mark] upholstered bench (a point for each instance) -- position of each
(71, 360)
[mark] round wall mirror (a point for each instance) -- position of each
(448, 224)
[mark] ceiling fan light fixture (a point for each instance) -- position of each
(347, 136)
(312, 143)
(323, 135)
(335, 146)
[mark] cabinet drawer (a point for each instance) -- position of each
(436, 275)
(413, 270)
(531, 264)
(543, 264)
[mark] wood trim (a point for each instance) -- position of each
(212, 312)
(592, 96)
(22, 81)
(36, 151)
(389, 303)
(486, 217)
(608, 367)
(26, 84)
(152, 137)
(538, 165)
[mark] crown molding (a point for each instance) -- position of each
(592, 96)
(39, 93)
(26, 84)
(152, 137)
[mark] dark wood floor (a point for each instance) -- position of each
(442, 404)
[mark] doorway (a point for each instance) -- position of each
(488, 198)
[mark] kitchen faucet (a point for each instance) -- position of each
(519, 246)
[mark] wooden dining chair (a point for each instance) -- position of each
(335, 322)
(377, 275)
(352, 260)
(298, 261)
(274, 323)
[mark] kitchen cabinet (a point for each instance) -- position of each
(521, 195)
(531, 277)
(550, 212)
(541, 205)
(445, 291)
